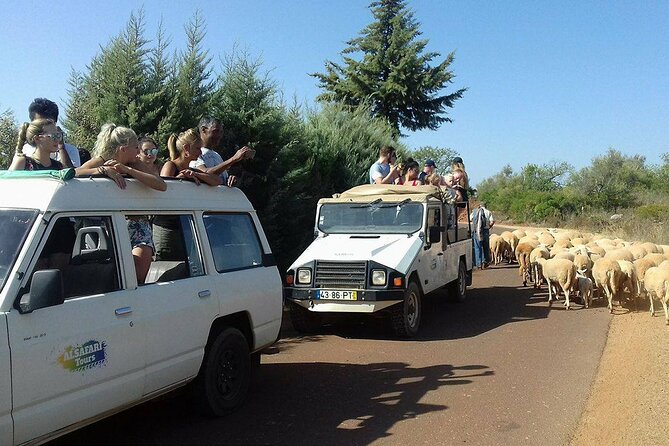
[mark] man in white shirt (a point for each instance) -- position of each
(482, 222)
(383, 171)
(210, 161)
(46, 109)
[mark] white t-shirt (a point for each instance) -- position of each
(209, 158)
(72, 151)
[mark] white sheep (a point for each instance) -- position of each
(537, 252)
(608, 276)
(657, 286)
(561, 272)
(584, 287)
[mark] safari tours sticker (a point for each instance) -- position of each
(82, 357)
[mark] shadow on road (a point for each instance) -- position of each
(295, 403)
(485, 309)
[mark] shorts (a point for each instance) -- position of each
(139, 230)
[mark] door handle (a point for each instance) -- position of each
(123, 311)
(204, 293)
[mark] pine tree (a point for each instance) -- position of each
(394, 73)
(191, 83)
(8, 135)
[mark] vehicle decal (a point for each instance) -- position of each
(77, 358)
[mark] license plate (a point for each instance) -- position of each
(337, 295)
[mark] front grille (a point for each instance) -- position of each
(344, 275)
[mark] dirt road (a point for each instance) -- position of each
(504, 367)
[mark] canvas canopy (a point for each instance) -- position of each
(388, 192)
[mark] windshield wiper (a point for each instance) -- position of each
(400, 204)
(366, 205)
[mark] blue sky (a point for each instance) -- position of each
(547, 80)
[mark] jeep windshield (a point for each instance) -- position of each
(14, 227)
(376, 217)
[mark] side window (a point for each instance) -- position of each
(83, 249)
(234, 241)
(177, 254)
(433, 218)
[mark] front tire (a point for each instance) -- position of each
(223, 382)
(457, 290)
(405, 317)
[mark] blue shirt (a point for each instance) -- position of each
(378, 170)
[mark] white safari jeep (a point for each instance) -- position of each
(80, 340)
(380, 248)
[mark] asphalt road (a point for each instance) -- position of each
(504, 367)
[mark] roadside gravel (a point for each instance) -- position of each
(629, 400)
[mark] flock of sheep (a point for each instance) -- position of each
(580, 264)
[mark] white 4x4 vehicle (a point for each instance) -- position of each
(379, 249)
(80, 340)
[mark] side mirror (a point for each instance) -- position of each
(46, 290)
(91, 244)
(434, 234)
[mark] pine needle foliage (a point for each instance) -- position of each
(389, 66)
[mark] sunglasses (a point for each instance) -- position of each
(53, 136)
(150, 152)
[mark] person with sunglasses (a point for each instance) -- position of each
(44, 138)
(67, 154)
(148, 154)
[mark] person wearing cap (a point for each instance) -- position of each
(428, 169)
(482, 221)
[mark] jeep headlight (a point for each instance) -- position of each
(378, 277)
(304, 276)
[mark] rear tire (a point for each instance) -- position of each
(223, 382)
(405, 317)
(303, 320)
(457, 290)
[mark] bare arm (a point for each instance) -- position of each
(18, 163)
(225, 165)
(90, 167)
(209, 178)
(148, 179)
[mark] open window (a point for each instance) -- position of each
(177, 254)
(80, 253)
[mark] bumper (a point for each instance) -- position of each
(369, 301)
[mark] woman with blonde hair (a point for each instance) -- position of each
(45, 138)
(116, 154)
(184, 148)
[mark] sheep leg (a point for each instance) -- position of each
(652, 308)
(550, 285)
(566, 296)
(609, 297)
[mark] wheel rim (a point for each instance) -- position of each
(412, 309)
(228, 378)
(462, 281)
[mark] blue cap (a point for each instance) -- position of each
(430, 163)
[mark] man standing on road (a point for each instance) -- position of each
(429, 168)
(383, 171)
(210, 161)
(482, 221)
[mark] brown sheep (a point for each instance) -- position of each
(523, 251)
